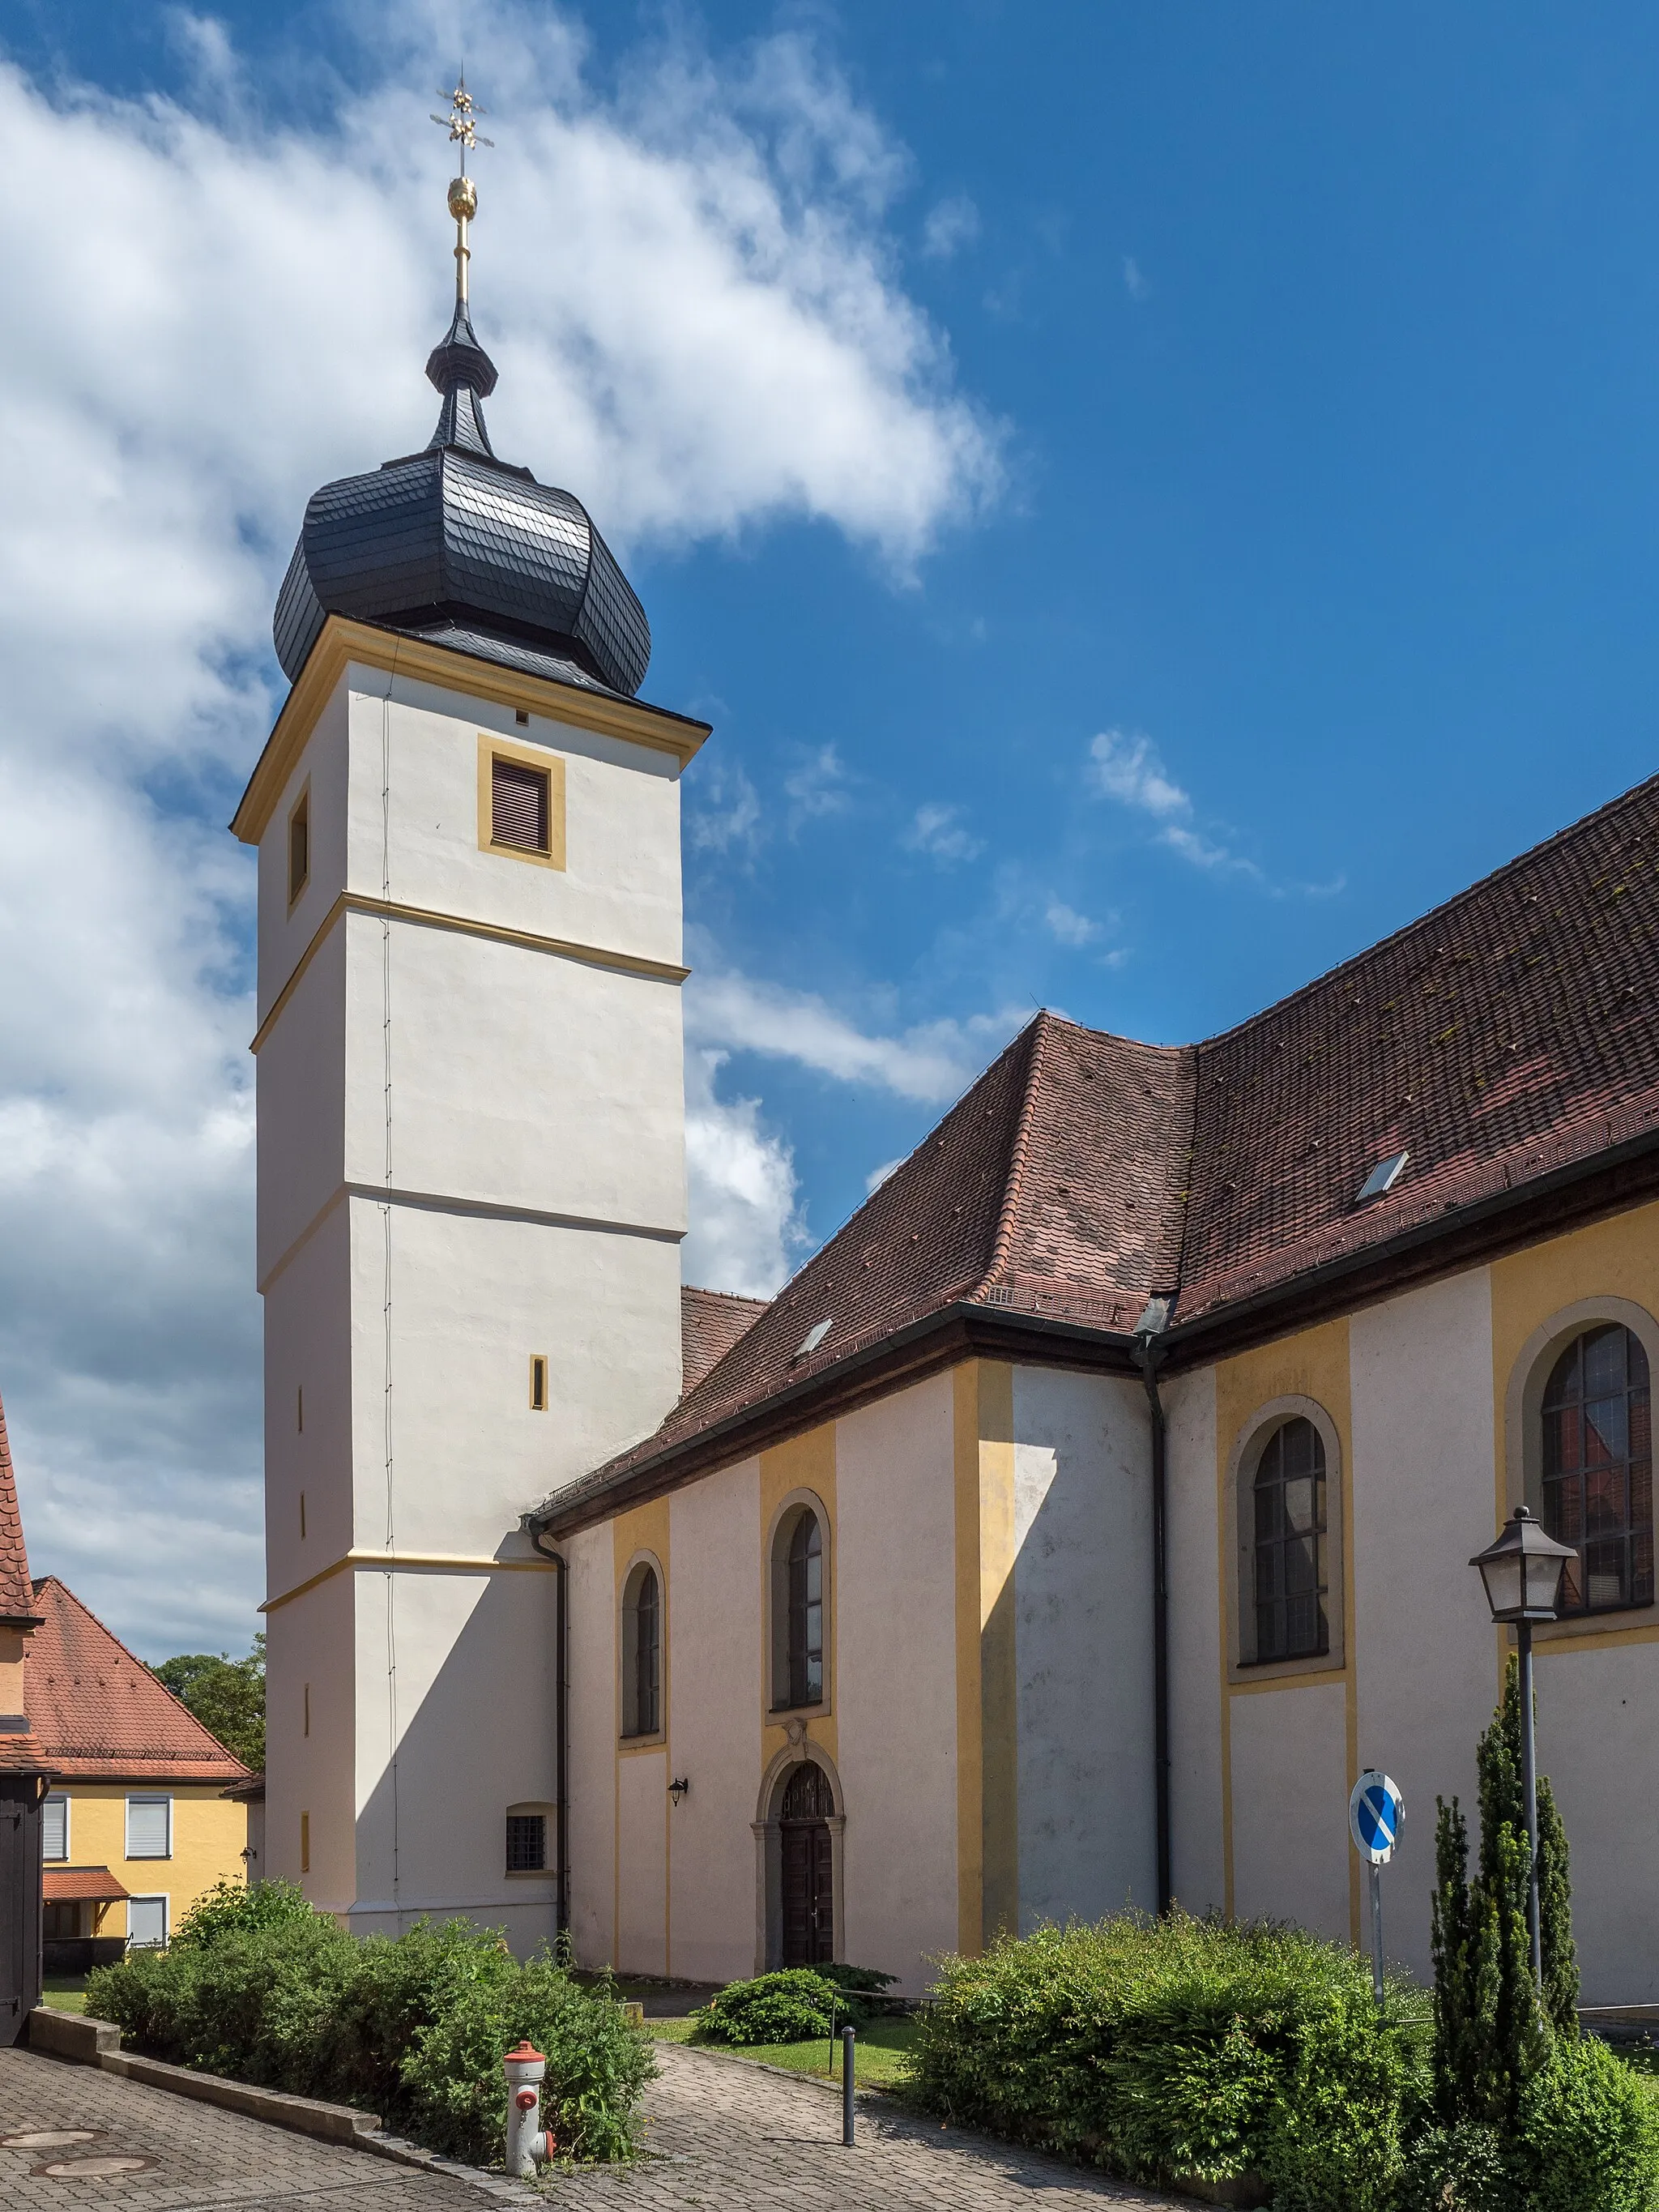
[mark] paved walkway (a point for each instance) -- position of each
(731, 2137)
(123, 2148)
(722, 2136)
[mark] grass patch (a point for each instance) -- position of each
(881, 2051)
(64, 1992)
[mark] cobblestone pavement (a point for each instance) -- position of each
(194, 2156)
(726, 2135)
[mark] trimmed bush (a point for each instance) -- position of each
(1461, 2168)
(259, 1986)
(1587, 2134)
(791, 2006)
(1182, 2047)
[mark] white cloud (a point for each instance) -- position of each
(691, 290)
(951, 225)
(937, 831)
(817, 787)
(723, 808)
(1133, 283)
(877, 1177)
(930, 1063)
(1127, 768)
(1069, 927)
(746, 1229)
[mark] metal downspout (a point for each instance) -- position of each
(1151, 1327)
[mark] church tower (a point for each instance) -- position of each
(472, 1183)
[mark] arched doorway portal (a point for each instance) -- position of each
(808, 1875)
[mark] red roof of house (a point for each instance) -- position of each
(1507, 1036)
(16, 1593)
(100, 1712)
(711, 1322)
(81, 1886)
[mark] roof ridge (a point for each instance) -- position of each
(1018, 1148)
(1447, 906)
(738, 1298)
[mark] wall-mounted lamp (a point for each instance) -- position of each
(678, 1788)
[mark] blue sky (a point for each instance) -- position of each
(1225, 526)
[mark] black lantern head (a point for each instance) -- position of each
(1523, 1571)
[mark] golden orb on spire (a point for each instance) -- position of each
(463, 198)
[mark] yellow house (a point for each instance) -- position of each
(136, 1825)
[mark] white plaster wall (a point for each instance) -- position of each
(1422, 1639)
(895, 1685)
(1595, 1742)
(642, 1815)
(518, 1078)
(472, 1298)
(1289, 1770)
(1198, 1870)
(1083, 1641)
(620, 887)
(432, 1837)
(284, 935)
(307, 1345)
(312, 1640)
(713, 1722)
(593, 1722)
(300, 1094)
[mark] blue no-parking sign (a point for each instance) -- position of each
(1376, 1812)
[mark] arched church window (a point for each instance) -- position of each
(1288, 1552)
(643, 1652)
(806, 1603)
(1598, 1470)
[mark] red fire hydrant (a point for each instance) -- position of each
(528, 2144)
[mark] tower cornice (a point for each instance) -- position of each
(343, 640)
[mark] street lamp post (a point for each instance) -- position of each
(1522, 1572)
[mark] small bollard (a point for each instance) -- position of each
(527, 2144)
(848, 2065)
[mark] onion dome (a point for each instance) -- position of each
(455, 546)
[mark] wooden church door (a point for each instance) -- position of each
(809, 1917)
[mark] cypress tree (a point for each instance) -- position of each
(1492, 2031)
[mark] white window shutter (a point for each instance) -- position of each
(54, 1828)
(146, 1921)
(149, 1827)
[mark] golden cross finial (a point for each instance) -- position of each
(462, 124)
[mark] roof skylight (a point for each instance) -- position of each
(1383, 1176)
(814, 1337)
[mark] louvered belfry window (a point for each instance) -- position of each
(518, 805)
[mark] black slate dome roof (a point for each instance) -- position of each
(452, 545)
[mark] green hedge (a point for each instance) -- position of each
(1214, 2050)
(1197, 2047)
(257, 1986)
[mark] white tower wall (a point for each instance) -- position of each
(471, 1151)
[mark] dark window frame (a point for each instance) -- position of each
(299, 845)
(641, 1654)
(1289, 1588)
(1599, 1394)
(526, 1842)
(803, 1601)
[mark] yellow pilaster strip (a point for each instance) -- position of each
(970, 1791)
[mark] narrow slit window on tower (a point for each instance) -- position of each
(537, 1383)
(299, 846)
(299, 1409)
(302, 1516)
(519, 805)
(304, 1843)
(307, 1725)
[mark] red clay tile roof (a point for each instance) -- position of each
(100, 1713)
(711, 1322)
(81, 1886)
(1510, 1033)
(16, 1595)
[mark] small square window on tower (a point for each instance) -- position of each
(522, 802)
(299, 846)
